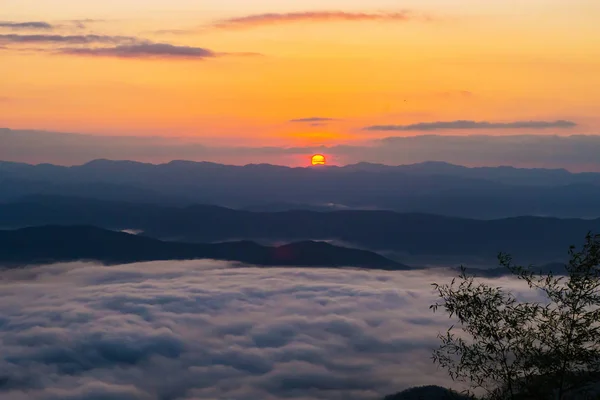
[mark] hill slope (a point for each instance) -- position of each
(49, 244)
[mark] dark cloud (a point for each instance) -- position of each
(144, 50)
(251, 21)
(209, 330)
(67, 39)
(30, 25)
(313, 119)
(462, 124)
(123, 47)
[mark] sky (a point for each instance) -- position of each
(290, 73)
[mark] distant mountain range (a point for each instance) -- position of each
(432, 187)
(528, 239)
(49, 244)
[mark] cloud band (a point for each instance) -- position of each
(257, 20)
(467, 125)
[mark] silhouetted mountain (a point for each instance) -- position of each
(427, 393)
(505, 174)
(437, 188)
(49, 244)
(12, 189)
(529, 239)
(279, 207)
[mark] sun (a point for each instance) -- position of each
(319, 159)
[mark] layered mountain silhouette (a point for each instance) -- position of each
(48, 244)
(437, 188)
(528, 239)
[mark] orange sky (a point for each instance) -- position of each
(359, 66)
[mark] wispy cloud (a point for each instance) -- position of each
(466, 125)
(172, 31)
(144, 50)
(251, 21)
(312, 119)
(110, 46)
(47, 26)
(28, 25)
(66, 39)
(83, 23)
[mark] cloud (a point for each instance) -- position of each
(209, 330)
(83, 23)
(574, 152)
(67, 39)
(172, 31)
(312, 119)
(257, 20)
(96, 391)
(146, 50)
(462, 124)
(123, 47)
(30, 25)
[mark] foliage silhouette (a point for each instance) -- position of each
(510, 349)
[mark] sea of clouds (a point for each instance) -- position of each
(212, 330)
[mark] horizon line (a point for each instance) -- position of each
(308, 166)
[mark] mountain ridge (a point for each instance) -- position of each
(61, 243)
(433, 188)
(531, 239)
(433, 167)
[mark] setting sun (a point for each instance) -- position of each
(319, 159)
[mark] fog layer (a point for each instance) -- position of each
(209, 330)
